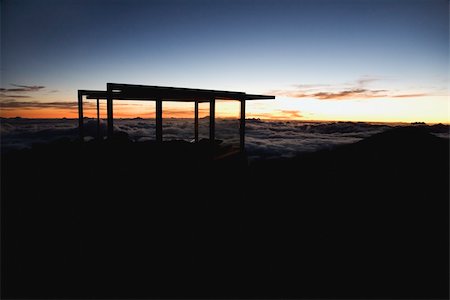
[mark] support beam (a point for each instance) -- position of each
(98, 119)
(212, 120)
(196, 122)
(80, 115)
(158, 117)
(242, 127)
(109, 112)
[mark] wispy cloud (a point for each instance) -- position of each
(277, 115)
(291, 113)
(12, 104)
(350, 94)
(410, 95)
(3, 96)
(309, 86)
(356, 90)
(364, 80)
(18, 88)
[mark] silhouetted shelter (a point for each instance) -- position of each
(116, 91)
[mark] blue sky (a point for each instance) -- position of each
(280, 46)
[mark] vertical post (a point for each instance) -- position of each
(98, 118)
(158, 117)
(212, 120)
(109, 111)
(196, 122)
(242, 127)
(80, 115)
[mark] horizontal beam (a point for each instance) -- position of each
(116, 97)
(258, 97)
(152, 93)
(175, 93)
(93, 93)
(129, 87)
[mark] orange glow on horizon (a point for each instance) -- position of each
(47, 113)
(73, 114)
(435, 110)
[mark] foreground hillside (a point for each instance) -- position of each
(137, 220)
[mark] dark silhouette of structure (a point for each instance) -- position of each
(117, 91)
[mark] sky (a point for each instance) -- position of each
(343, 60)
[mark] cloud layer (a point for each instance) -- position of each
(264, 139)
(348, 94)
(356, 90)
(18, 91)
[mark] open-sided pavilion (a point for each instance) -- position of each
(118, 91)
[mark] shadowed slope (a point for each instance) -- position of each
(137, 220)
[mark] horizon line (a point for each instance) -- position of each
(230, 118)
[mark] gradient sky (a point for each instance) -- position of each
(324, 60)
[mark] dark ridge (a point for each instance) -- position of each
(128, 220)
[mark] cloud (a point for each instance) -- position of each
(356, 90)
(291, 113)
(22, 88)
(356, 93)
(278, 115)
(264, 139)
(13, 104)
(364, 80)
(410, 95)
(309, 86)
(3, 96)
(22, 133)
(360, 83)
(350, 94)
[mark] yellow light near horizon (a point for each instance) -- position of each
(431, 109)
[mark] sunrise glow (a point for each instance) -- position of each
(390, 67)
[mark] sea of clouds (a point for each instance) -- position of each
(264, 139)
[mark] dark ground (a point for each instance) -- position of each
(133, 220)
